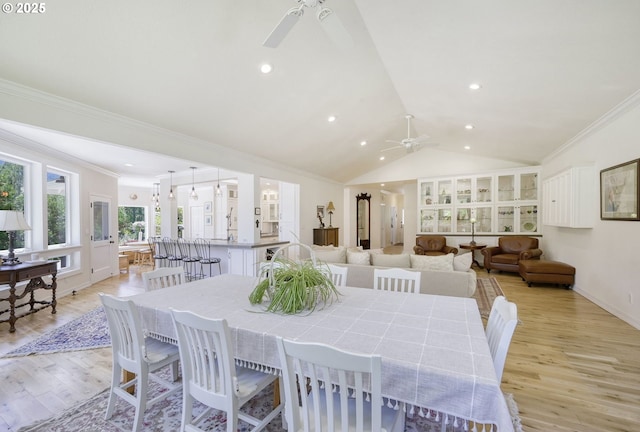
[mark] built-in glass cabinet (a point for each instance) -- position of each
(501, 202)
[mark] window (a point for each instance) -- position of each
(57, 208)
(131, 224)
(11, 197)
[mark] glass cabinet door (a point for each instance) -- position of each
(529, 219)
(529, 187)
(484, 219)
(506, 187)
(444, 191)
(444, 220)
(463, 220)
(463, 191)
(506, 219)
(427, 220)
(427, 189)
(483, 190)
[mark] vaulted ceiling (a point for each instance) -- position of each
(547, 70)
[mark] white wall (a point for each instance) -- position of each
(90, 182)
(605, 257)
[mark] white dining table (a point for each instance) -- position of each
(434, 349)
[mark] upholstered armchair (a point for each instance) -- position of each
(509, 252)
(433, 245)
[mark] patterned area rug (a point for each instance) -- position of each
(165, 416)
(486, 292)
(85, 332)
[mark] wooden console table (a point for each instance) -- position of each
(325, 236)
(33, 272)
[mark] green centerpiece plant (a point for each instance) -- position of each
(292, 287)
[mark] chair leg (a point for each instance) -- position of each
(115, 380)
(141, 400)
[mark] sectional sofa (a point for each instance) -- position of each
(441, 275)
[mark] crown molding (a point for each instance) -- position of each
(630, 103)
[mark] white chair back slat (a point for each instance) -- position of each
(501, 325)
(338, 274)
(162, 278)
(397, 280)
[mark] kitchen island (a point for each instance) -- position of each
(242, 258)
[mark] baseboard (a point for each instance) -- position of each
(611, 309)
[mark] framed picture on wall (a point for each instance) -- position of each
(320, 211)
(619, 192)
(207, 206)
(208, 220)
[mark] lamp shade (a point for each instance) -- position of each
(11, 220)
(330, 206)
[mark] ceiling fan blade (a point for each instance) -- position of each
(334, 28)
(392, 148)
(283, 28)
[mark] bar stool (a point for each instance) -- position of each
(203, 250)
(143, 257)
(157, 254)
(174, 258)
(189, 261)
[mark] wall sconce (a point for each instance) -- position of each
(330, 208)
(171, 195)
(193, 194)
(10, 222)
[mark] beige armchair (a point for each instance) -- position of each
(433, 245)
(509, 252)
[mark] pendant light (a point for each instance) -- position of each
(171, 195)
(218, 190)
(193, 194)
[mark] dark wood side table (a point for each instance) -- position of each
(473, 249)
(33, 272)
(325, 236)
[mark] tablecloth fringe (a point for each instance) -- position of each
(448, 419)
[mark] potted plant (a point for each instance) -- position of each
(292, 287)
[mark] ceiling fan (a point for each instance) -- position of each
(327, 18)
(410, 144)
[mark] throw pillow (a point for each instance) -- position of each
(357, 256)
(437, 263)
(463, 262)
(397, 260)
(333, 255)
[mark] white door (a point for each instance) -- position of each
(289, 220)
(196, 227)
(102, 243)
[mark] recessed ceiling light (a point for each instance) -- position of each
(331, 118)
(469, 126)
(363, 143)
(128, 164)
(467, 147)
(381, 157)
(381, 184)
(475, 86)
(266, 68)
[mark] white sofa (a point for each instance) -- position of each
(439, 274)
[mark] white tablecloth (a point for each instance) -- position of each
(434, 350)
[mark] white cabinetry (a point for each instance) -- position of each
(501, 202)
(568, 198)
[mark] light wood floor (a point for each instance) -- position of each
(572, 366)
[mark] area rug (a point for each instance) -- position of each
(165, 416)
(486, 292)
(85, 332)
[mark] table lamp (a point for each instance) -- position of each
(330, 209)
(10, 222)
(473, 231)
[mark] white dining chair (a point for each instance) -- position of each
(343, 391)
(338, 274)
(396, 279)
(134, 353)
(501, 325)
(163, 277)
(211, 376)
